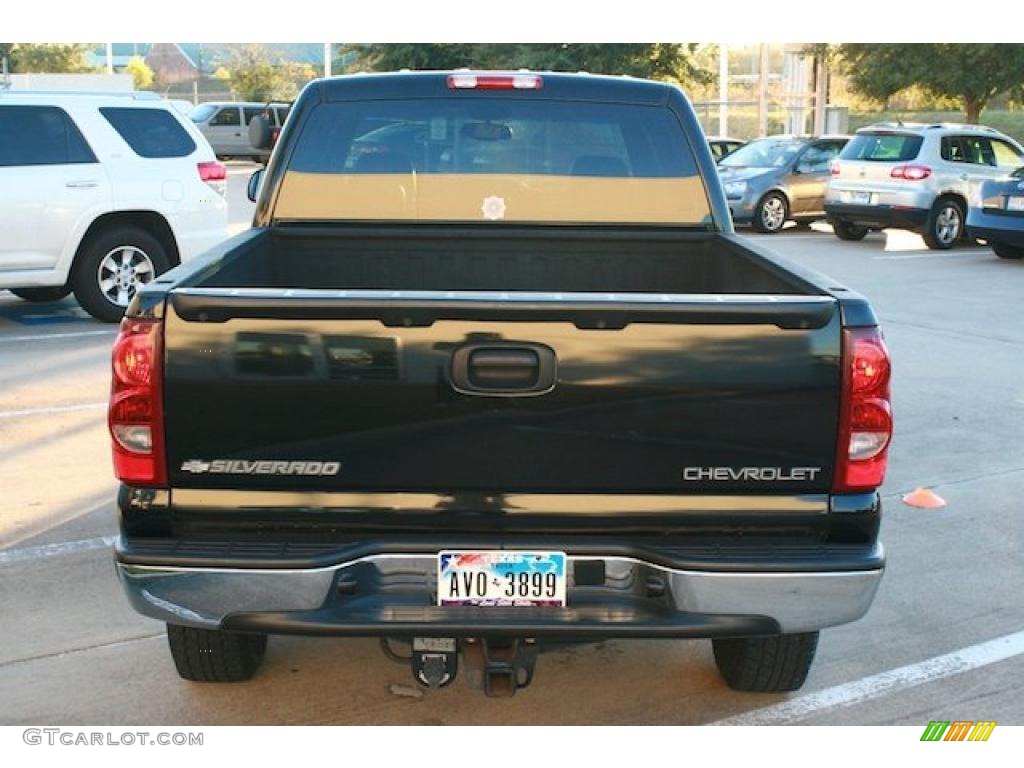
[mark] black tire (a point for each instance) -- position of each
(945, 225)
(846, 231)
(1008, 251)
(771, 213)
(42, 295)
(213, 655)
(85, 275)
(769, 664)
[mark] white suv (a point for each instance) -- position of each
(914, 176)
(99, 193)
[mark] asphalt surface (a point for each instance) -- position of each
(72, 651)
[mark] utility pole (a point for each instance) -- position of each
(723, 89)
(762, 96)
(820, 94)
(110, 58)
(327, 59)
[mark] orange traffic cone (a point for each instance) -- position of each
(924, 498)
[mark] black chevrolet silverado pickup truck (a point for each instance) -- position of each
(491, 373)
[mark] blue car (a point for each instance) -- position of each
(997, 215)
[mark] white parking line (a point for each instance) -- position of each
(52, 409)
(874, 686)
(8, 556)
(41, 336)
(928, 255)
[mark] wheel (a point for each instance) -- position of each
(771, 213)
(846, 231)
(42, 295)
(769, 664)
(213, 655)
(945, 224)
(111, 268)
(1008, 251)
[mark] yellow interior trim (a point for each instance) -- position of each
(505, 197)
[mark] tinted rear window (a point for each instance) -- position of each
(150, 132)
(882, 147)
(202, 112)
(502, 136)
(40, 136)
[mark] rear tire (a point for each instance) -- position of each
(771, 213)
(945, 225)
(94, 276)
(214, 655)
(42, 295)
(768, 664)
(1008, 251)
(846, 231)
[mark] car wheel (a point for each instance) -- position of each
(945, 224)
(1007, 251)
(770, 213)
(42, 295)
(215, 655)
(112, 267)
(846, 231)
(768, 664)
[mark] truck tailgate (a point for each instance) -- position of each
(488, 392)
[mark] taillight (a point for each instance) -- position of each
(520, 81)
(865, 413)
(834, 167)
(911, 172)
(135, 415)
(215, 174)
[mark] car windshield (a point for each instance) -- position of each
(202, 112)
(763, 153)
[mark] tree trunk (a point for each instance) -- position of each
(973, 105)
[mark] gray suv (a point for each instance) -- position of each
(781, 178)
(915, 176)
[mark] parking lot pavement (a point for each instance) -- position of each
(72, 651)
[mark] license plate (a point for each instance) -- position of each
(1015, 203)
(501, 578)
(855, 198)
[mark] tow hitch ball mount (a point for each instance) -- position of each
(498, 667)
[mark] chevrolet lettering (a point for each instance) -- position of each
(756, 474)
(489, 374)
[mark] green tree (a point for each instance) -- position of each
(254, 75)
(50, 57)
(140, 71)
(665, 61)
(971, 73)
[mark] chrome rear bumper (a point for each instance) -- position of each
(394, 594)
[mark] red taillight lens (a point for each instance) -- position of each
(215, 174)
(911, 172)
(135, 415)
(865, 417)
(520, 82)
(213, 171)
(834, 167)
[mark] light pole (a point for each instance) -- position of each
(327, 59)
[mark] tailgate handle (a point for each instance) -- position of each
(503, 370)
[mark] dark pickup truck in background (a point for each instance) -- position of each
(491, 372)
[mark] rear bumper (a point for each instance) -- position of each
(880, 216)
(392, 594)
(996, 227)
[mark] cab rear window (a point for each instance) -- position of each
(503, 136)
(493, 159)
(882, 147)
(150, 132)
